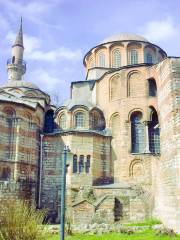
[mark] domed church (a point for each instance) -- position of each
(122, 126)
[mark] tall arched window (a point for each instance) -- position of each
(75, 164)
(79, 120)
(81, 163)
(49, 121)
(88, 163)
(154, 133)
(115, 124)
(10, 114)
(137, 133)
(134, 56)
(62, 121)
(149, 58)
(116, 58)
(152, 87)
(102, 59)
(115, 88)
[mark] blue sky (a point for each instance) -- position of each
(58, 33)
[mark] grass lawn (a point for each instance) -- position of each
(146, 235)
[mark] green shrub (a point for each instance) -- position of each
(166, 232)
(19, 221)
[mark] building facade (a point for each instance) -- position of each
(122, 125)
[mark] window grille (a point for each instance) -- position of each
(116, 58)
(154, 134)
(62, 121)
(149, 58)
(134, 57)
(79, 120)
(101, 59)
(137, 133)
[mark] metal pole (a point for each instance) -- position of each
(63, 192)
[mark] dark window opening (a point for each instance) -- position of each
(88, 163)
(154, 134)
(81, 163)
(75, 164)
(5, 174)
(137, 133)
(49, 122)
(118, 210)
(152, 88)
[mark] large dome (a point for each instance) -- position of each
(123, 37)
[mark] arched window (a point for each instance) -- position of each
(10, 114)
(101, 59)
(134, 57)
(154, 133)
(88, 163)
(152, 87)
(75, 164)
(49, 121)
(149, 58)
(79, 120)
(137, 133)
(62, 121)
(115, 124)
(115, 90)
(116, 58)
(81, 163)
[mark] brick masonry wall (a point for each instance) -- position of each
(167, 196)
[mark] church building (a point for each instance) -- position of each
(122, 127)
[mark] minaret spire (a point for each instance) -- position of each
(19, 36)
(16, 66)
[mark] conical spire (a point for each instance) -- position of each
(19, 37)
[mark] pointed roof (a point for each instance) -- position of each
(19, 37)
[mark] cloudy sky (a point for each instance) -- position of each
(58, 33)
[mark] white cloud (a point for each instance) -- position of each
(61, 53)
(44, 80)
(30, 42)
(34, 51)
(158, 31)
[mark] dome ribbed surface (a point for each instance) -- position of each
(123, 37)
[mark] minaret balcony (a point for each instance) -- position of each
(16, 61)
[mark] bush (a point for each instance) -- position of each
(166, 232)
(19, 221)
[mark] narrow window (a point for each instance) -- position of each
(149, 58)
(49, 121)
(134, 57)
(101, 59)
(154, 134)
(62, 121)
(152, 88)
(137, 133)
(116, 58)
(79, 120)
(88, 163)
(81, 163)
(5, 175)
(75, 164)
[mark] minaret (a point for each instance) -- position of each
(16, 67)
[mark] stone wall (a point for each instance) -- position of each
(167, 186)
